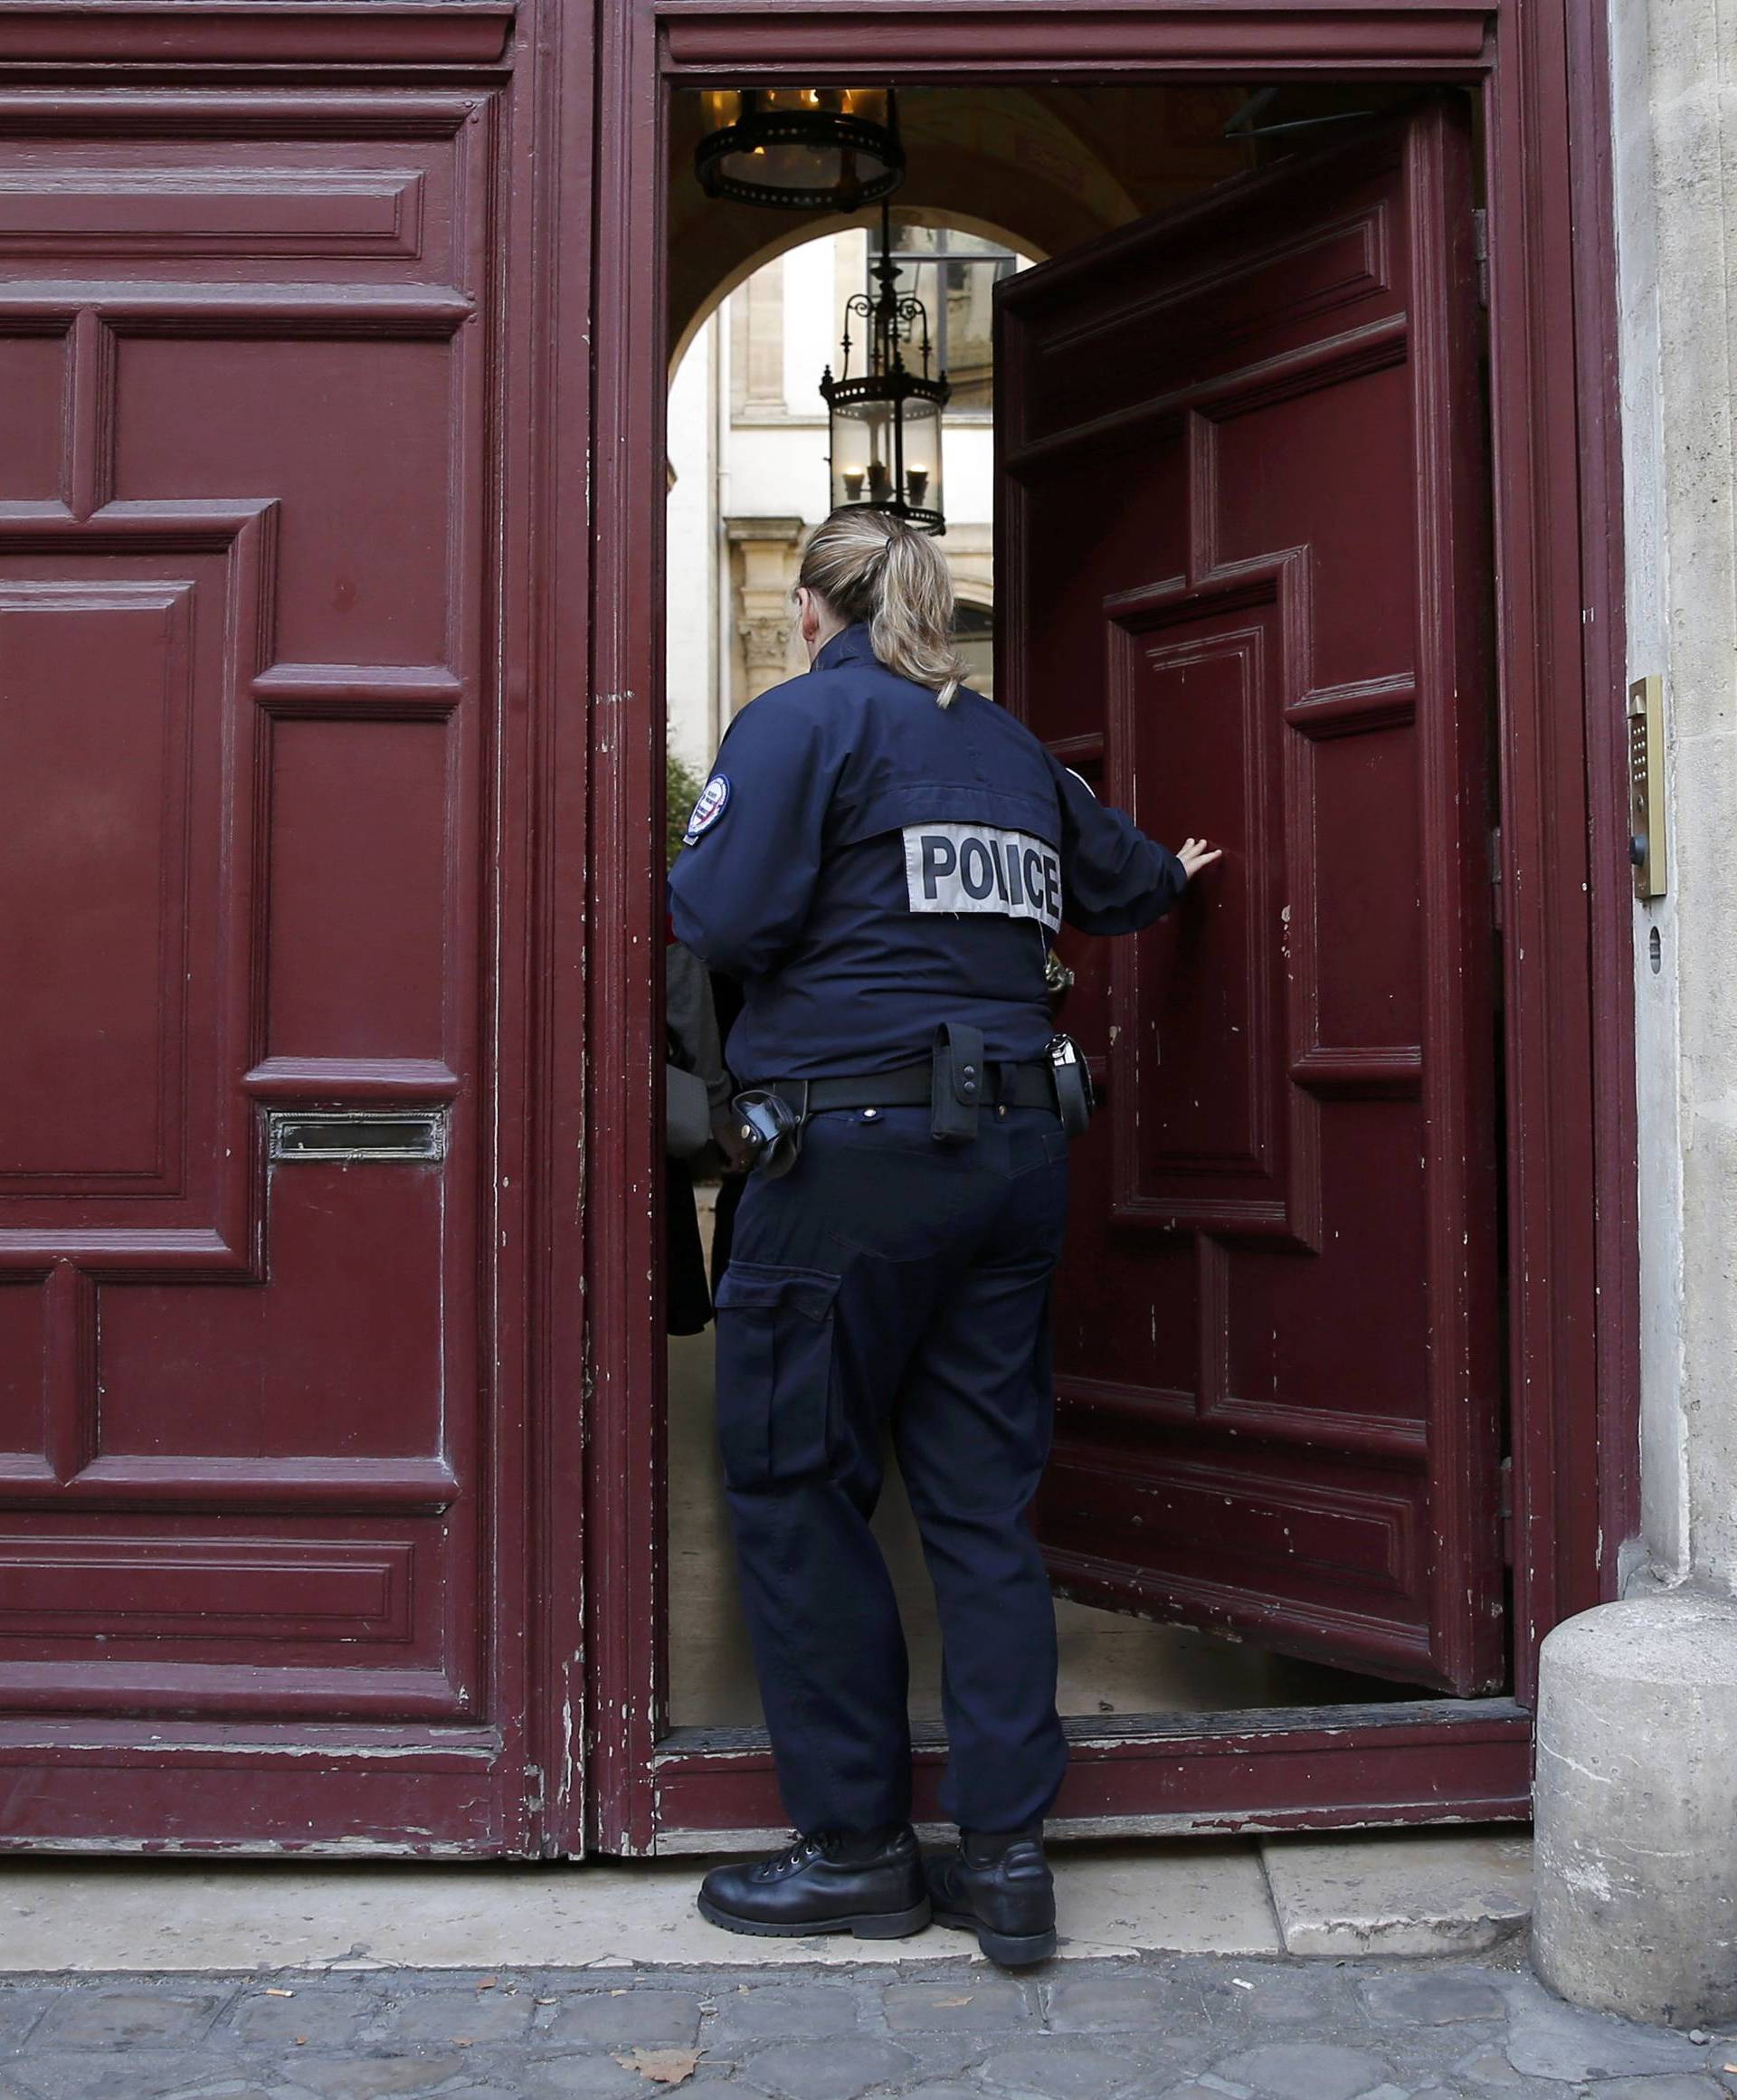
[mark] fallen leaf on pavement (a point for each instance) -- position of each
(964, 2000)
(662, 2066)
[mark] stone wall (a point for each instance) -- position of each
(1636, 1779)
(1675, 80)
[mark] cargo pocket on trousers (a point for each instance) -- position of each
(775, 1372)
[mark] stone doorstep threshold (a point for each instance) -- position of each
(1431, 1893)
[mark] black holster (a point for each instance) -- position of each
(1074, 1099)
(774, 1126)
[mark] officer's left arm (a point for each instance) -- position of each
(1113, 879)
(741, 887)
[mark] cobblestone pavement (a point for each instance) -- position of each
(1174, 2027)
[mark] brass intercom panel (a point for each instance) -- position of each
(1647, 785)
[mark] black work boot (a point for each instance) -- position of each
(999, 1886)
(870, 1886)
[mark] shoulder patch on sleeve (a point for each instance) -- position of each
(714, 798)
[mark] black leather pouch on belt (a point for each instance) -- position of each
(955, 1096)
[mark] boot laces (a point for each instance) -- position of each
(800, 1853)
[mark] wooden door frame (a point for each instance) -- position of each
(1572, 1263)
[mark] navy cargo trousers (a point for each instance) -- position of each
(892, 1287)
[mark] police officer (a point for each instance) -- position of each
(881, 857)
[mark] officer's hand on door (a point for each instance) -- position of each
(1195, 854)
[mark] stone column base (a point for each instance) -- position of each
(1636, 1802)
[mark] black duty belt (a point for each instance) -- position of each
(955, 1086)
(1022, 1086)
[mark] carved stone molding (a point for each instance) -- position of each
(762, 569)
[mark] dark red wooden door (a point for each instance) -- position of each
(1244, 593)
(254, 1277)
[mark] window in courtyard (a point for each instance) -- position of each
(954, 275)
(973, 641)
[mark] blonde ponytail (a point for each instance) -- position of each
(869, 566)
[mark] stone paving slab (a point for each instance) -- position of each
(1157, 2028)
(1439, 1892)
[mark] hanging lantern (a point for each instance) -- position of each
(800, 149)
(885, 422)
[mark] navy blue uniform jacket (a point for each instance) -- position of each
(869, 865)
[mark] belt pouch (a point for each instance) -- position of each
(956, 1091)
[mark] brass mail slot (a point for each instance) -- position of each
(403, 1135)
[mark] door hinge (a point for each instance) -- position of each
(1504, 1476)
(1481, 252)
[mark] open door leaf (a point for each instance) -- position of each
(1241, 557)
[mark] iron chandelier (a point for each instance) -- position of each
(885, 422)
(800, 149)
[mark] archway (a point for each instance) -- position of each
(1046, 169)
(746, 445)
(801, 232)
